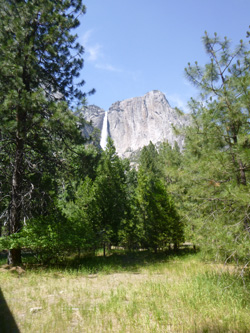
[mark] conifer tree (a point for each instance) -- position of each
(156, 212)
(217, 155)
(39, 59)
(110, 195)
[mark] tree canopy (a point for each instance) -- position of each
(217, 159)
(39, 59)
(59, 195)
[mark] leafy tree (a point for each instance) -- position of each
(39, 59)
(50, 236)
(217, 155)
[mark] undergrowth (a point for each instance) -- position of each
(129, 292)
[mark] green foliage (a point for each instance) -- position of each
(58, 195)
(39, 62)
(48, 237)
(217, 160)
(98, 206)
(110, 193)
(154, 211)
(149, 160)
(123, 207)
(81, 212)
(37, 47)
(169, 163)
(131, 230)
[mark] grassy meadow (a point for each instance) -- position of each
(136, 292)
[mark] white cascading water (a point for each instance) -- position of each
(104, 134)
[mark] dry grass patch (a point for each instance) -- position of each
(178, 295)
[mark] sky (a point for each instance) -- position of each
(135, 46)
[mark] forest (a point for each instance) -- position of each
(92, 242)
(62, 194)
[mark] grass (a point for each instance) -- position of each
(138, 292)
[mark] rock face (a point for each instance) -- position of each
(94, 116)
(134, 122)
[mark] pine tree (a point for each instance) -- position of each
(156, 212)
(131, 231)
(169, 162)
(110, 195)
(39, 59)
(217, 155)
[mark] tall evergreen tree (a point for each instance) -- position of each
(217, 150)
(224, 86)
(98, 206)
(169, 162)
(156, 211)
(110, 194)
(39, 59)
(131, 231)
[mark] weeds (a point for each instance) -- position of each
(139, 292)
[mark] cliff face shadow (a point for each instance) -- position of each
(7, 321)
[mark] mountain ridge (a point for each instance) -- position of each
(134, 122)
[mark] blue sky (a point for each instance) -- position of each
(134, 46)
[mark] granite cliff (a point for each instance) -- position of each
(134, 122)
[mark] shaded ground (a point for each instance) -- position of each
(115, 261)
(7, 321)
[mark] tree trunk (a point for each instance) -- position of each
(14, 257)
(242, 178)
(243, 181)
(247, 224)
(104, 249)
(241, 174)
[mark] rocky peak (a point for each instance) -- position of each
(134, 122)
(92, 129)
(94, 114)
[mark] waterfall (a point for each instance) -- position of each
(104, 134)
